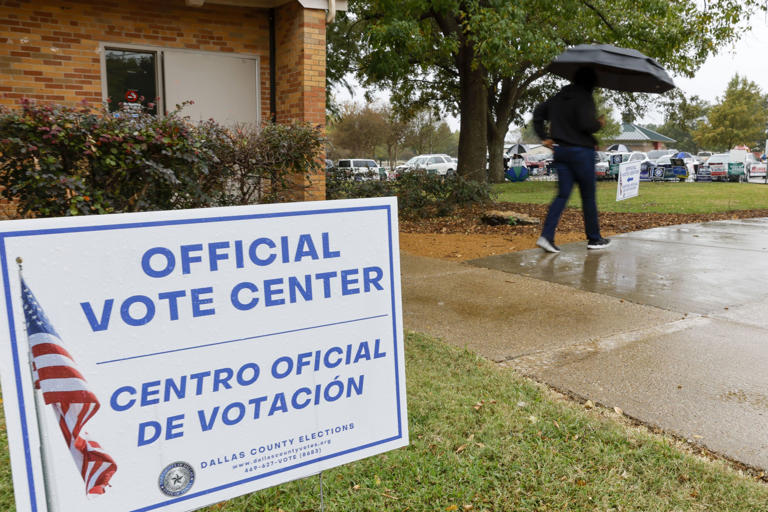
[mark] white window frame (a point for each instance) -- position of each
(160, 71)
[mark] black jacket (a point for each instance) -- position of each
(572, 117)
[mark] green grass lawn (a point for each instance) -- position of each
(484, 439)
(653, 197)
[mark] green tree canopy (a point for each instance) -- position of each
(383, 133)
(358, 131)
(485, 59)
(739, 118)
(682, 117)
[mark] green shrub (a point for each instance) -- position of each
(59, 160)
(418, 194)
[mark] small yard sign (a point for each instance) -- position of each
(629, 180)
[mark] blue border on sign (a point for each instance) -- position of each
(204, 220)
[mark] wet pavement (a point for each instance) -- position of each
(699, 268)
(669, 324)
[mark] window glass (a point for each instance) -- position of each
(435, 160)
(343, 163)
(131, 79)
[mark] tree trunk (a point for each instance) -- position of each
(496, 156)
(473, 105)
(501, 104)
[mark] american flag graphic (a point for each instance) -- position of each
(65, 389)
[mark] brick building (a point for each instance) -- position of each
(238, 60)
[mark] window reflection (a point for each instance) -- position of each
(131, 80)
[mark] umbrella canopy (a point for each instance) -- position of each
(620, 69)
(517, 148)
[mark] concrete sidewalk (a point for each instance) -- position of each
(669, 324)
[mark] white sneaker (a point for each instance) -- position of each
(547, 245)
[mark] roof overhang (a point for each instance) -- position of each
(329, 5)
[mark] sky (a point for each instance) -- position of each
(748, 57)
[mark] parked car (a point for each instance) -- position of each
(407, 165)
(669, 168)
(655, 154)
(440, 165)
(601, 164)
(618, 158)
(717, 165)
(359, 169)
(537, 164)
(740, 164)
(702, 156)
(750, 161)
(757, 170)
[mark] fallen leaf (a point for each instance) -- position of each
(471, 437)
(618, 411)
(461, 448)
(376, 480)
(589, 404)
(581, 482)
(450, 508)
(557, 425)
(696, 436)
(533, 419)
(468, 507)
(356, 487)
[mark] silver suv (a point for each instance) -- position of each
(439, 164)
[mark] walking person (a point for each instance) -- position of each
(573, 121)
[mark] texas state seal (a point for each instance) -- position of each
(176, 479)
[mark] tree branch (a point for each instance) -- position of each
(601, 16)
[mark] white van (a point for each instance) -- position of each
(359, 168)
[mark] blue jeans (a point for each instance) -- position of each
(574, 164)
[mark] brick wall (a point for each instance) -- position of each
(49, 50)
(300, 63)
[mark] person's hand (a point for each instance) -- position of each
(601, 120)
(548, 143)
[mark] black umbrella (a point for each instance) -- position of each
(620, 69)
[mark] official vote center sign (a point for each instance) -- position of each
(170, 360)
